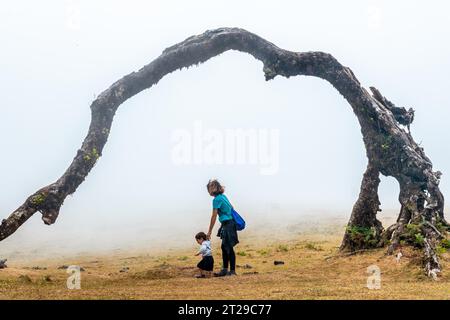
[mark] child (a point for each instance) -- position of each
(206, 265)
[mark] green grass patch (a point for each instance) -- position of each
(313, 246)
(263, 252)
(282, 248)
(363, 236)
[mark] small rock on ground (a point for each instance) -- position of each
(38, 268)
(66, 267)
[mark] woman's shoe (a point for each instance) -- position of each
(222, 273)
(231, 273)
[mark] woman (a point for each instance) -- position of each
(227, 231)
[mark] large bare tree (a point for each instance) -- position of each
(385, 128)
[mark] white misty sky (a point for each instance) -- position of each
(58, 55)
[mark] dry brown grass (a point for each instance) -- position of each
(312, 270)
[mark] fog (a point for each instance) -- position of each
(57, 56)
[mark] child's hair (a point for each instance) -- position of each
(214, 187)
(201, 235)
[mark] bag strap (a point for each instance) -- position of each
(226, 198)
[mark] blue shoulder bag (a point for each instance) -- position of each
(240, 222)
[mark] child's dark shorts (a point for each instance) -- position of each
(206, 264)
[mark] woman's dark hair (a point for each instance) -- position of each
(214, 187)
(201, 235)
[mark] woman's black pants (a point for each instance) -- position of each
(229, 258)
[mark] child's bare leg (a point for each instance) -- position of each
(199, 273)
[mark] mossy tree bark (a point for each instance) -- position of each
(392, 151)
(364, 229)
(390, 147)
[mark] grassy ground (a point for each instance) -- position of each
(312, 270)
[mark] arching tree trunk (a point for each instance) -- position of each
(390, 148)
(363, 229)
(392, 151)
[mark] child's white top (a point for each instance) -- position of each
(205, 248)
